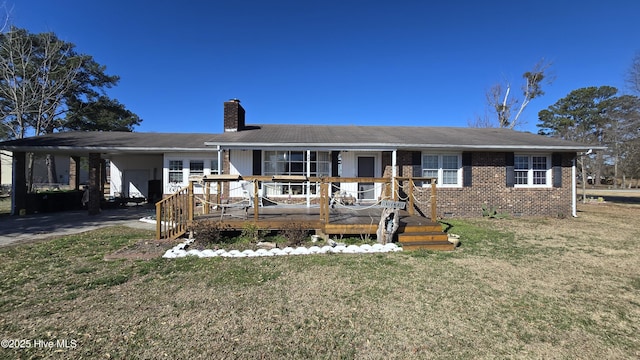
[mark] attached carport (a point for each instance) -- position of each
(96, 146)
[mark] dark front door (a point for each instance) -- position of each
(366, 169)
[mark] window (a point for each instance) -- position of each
(175, 171)
(295, 163)
(214, 167)
(196, 167)
(532, 170)
(179, 169)
(444, 167)
(450, 167)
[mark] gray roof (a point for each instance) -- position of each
(328, 137)
(391, 137)
(110, 142)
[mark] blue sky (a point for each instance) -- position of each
(350, 62)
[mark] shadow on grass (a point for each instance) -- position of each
(622, 199)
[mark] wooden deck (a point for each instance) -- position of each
(414, 232)
(331, 218)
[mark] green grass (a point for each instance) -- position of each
(514, 289)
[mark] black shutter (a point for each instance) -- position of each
(509, 165)
(257, 162)
(334, 163)
(467, 172)
(416, 158)
(556, 172)
(416, 164)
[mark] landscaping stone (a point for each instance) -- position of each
(179, 250)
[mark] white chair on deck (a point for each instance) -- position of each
(248, 193)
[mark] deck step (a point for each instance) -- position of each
(417, 228)
(422, 236)
(427, 240)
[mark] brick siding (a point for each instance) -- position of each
(489, 188)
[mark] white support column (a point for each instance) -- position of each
(574, 191)
(220, 156)
(394, 171)
(220, 189)
(308, 176)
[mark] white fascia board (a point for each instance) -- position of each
(71, 149)
(388, 147)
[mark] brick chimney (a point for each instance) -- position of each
(233, 116)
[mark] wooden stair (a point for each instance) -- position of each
(424, 237)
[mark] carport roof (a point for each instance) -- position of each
(298, 136)
(110, 142)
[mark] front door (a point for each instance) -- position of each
(366, 169)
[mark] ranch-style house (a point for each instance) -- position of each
(514, 173)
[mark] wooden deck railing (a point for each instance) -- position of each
(411, 184)
(175, 212)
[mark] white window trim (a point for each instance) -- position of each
(169, 171)
(548, 172)
(275, 189)
(186, 169)
(440, 183)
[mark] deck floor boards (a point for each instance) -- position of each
(277, 217)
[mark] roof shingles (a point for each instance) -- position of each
(328, 136)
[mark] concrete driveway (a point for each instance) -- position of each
(15, 229)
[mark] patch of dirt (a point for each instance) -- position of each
(143, 250)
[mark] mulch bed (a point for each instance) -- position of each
(143, 250)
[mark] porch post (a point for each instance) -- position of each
(308, 176)
(19, 191)
(574, 191)
(411, 196)
(220, 154)
(207, 197)
(94, 183)
(191, 202)
(256, 201)
(434, 202)
(74, 172)
(394, 172)
(218, 194)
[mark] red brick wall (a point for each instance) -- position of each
(489, 188)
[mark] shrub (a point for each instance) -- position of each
(492, 212)
(295, 233)
(208, 232)
(251, 233)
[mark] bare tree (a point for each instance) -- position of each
(499, 102)
(481, 121)
(507, 107)
(36, 73)
(5, 18)
(35, 81)
(633, 75)
(46, 86)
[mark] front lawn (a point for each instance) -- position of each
(520, 288)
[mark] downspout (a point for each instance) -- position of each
(574, 191)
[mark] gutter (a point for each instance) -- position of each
(101, 149)
(391, 147)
